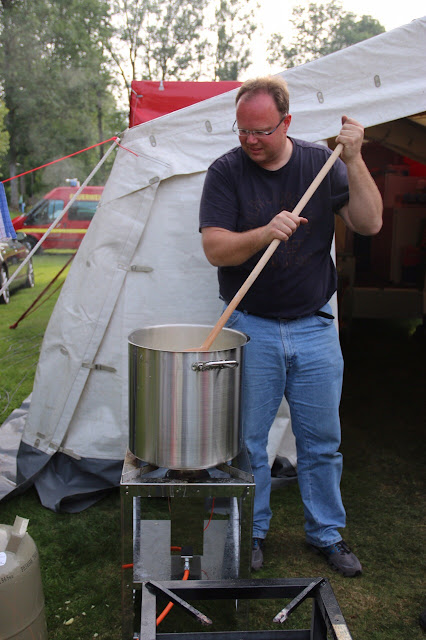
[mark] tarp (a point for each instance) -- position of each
(6, 226)
(149, 99)
(142, 263)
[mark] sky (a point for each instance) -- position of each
(276, 14)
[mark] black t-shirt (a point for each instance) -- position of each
(239, 195)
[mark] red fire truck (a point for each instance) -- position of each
(69, 232)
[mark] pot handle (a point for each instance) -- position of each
(215, 364)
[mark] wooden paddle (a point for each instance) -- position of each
(268, 253)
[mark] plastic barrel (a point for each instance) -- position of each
(21, 592)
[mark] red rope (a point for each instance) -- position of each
(33, 306)
(126, 149)
(64, 158)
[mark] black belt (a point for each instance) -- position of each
(322, 314)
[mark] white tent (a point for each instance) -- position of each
(141, 262)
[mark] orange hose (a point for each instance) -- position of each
(211, 515)
(170, 605)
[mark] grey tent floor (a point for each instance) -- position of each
(10, 438)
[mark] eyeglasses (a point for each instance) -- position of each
(244, 133)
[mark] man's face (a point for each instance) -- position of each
(259, 113)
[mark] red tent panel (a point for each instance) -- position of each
(151, 99)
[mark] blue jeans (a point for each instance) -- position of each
(303, 360)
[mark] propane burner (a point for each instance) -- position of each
(187, 475)
(165, 511)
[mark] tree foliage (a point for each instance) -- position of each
(55, 83)
(57, 79)
(156, 39)
(4, 134)
(172, 36)
(178, 40)
(234, 28)
(320, 29)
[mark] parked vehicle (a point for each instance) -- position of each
(13, 254)
(69, 232)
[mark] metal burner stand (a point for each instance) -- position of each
(211, 513)
(327, 621)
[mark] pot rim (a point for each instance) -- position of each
(132, 340)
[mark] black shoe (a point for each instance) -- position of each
(282, 468)
(257, 554)
(340, 558)
(422, 620)
(282, 473)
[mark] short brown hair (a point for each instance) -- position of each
(275, 86)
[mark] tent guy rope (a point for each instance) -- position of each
(34, 306)
(98, 144)
(61, 215)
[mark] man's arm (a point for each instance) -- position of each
(363, 213)
(225, 248)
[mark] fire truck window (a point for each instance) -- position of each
(39, 215)
(82, 210)
(55, 208)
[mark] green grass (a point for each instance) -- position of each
(383, 489)
(79, 562)
(20, 347)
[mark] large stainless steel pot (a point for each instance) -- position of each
(184, 407)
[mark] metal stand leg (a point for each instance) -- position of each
(127, 609)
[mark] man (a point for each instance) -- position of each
(247, 202)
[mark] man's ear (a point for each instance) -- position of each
(287, 122)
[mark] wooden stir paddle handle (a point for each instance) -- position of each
(268, 253)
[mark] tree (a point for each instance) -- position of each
(156, 39)
(234, 28)
(54, 82)
(13, 57)
(320, 29)
(4, 134)
(174, 40)
(125, 46)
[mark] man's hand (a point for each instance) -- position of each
(363, 212)
(351, 136)
(282, 226)
(225, 248)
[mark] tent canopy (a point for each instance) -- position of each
(149, 99)
(141, 262)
